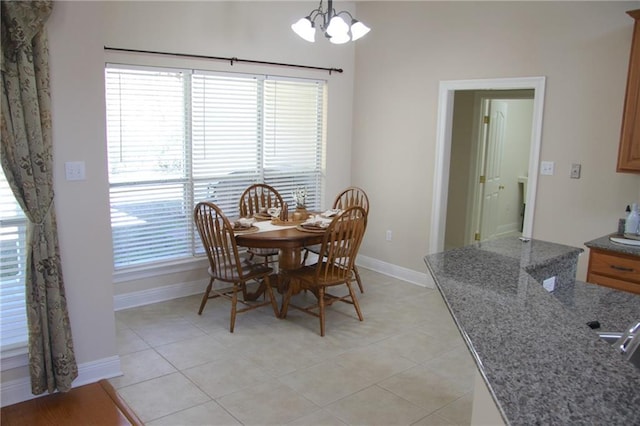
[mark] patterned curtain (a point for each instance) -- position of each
(28, 166)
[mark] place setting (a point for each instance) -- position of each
(318, 223)
(262, 215)
(244, 225)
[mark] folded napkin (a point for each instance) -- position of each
(331, 212)
(317, 220)
(244, 222)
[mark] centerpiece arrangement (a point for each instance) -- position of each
(300, 197)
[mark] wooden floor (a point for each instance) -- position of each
(94, 404)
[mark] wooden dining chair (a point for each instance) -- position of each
(351, 196)
(340, 246)
(256, 199)
(226, 265)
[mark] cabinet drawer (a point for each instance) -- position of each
(613, 283)
(618, 266)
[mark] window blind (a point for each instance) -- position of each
(293, 129)
(148, 165)
(13, 257)
(225, 131)
(177, 137)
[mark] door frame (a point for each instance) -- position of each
(443, 147)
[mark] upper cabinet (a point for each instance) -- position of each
(629, 149)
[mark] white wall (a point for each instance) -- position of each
(582, 48)
(82, 207)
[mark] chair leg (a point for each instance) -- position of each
(354, 299)
(271, 296)
(264, 294)
(304, 262)
(358, 280)
(321, 309)
(205, 297)
(285, 301)
(234, 302)
(243, 287)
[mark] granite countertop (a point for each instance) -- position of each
(615, 310)
(541, 362)
(604, 243)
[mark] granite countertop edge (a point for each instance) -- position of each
(489, 307)
(469, 343)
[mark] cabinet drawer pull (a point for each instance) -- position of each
(621, 268)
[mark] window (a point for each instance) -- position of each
(176, 137)
(13, 234)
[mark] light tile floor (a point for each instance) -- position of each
(405, 364)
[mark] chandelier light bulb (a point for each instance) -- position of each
(305, 29)
(358, 29)
(340, 38)
(337, 27)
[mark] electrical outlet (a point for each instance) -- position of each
(389, 235)
(549, 284)
(575, 171)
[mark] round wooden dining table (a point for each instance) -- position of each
(288, 240)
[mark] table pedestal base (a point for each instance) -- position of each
(288, 258)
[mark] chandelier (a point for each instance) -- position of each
(332, 25)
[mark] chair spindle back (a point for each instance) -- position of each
(259, 197)
(352, 196)
(341, 244)
(218, 240)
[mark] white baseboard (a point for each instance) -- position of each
(174, 291)
(420, 278)
(18, 390)
(509, 228)
(159, 294)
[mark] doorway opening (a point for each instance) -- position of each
(490, 147)
(461, 216)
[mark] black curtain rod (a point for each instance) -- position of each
(219, 58)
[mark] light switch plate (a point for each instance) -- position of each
(546, 167)
(575, 171)
(74, 170)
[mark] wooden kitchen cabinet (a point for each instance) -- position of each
(629, 148)
(612, 269)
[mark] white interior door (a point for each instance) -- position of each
(495, 123)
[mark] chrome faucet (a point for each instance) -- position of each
(629, 344)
